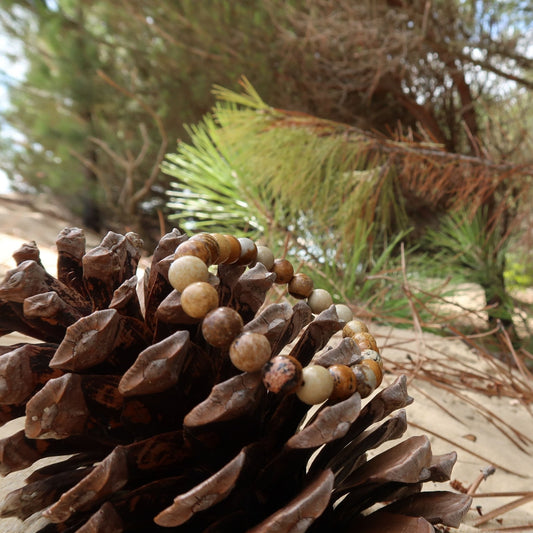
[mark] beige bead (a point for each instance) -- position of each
(319, 300)
(250, 351)
(353, 327)
(365, 341)
(186, 270)
(372, 354)
(265, 256)
(317, 385)
(197, 299)
(344, 312)
(376, 369)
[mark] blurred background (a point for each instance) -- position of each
(386, 144)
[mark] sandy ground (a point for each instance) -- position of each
(482, 427)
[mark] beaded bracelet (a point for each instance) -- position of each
(222, 327)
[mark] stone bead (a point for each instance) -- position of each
(319, 300)
(284, 271)
(224, 247)
(353, 327)
(250, 351)
(344, 312)
(364, 387)
(265, 256)
(282, 373)
(300, 286)
(197, 299)
(196, 248)
(344, 382)
(221, 326)
(365, 341)
(185, 270)
(235, 249)
(317, 385)
(248, 253)
(376, 369)
(211, 244)
(372, 354)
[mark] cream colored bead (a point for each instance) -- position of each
(265, 256)
(319, 300)
(353, 327)
(317, 385)
(372, 354)
(370, 377)
(186, 270)
(344, 312)
(197, 299)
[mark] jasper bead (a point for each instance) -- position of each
(248, 253)
(250, 351)
(224, 247)
(344, 312)
(196, 248)
(197, 299)
(282, 373)
(375, 367)
(235, 249)
(300, 286)
(317, 385)
(284, 271)
(353, 327)
(344, 382)
(319, 300)
(265, 256)
(365, 341)
(364, 388)
(210, 243)
(372, 354)
(221, 326)
(185, 270)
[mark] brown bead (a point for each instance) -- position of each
(365, 341)
(224, 247)
(235, 249)
(284, 271)
(282, 373)
(300, 286)
(250, 351)
(221, 326)
(197, 299)
(196, 248)
(248, 251)
(353, 327)
(344, 382)
(211, 243)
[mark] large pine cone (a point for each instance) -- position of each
(161, 433)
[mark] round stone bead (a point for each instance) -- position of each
(344, 312)
(282, 373)
(364, 387)
(375, 367)
(372, 354)
(211, 244)
(197, 299)
(265, 256)
(319, 300)
(224, 247)
(235, 249)
(221, 326)
(196, 248)
(317, 385)
(300, 286)
(185, 270)
(284, 271)
(344, 382)
(353, 327)
(365, 341)
(248, 251)
(250, 351)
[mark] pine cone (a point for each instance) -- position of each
(160, 432)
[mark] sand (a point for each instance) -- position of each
(489, 426)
